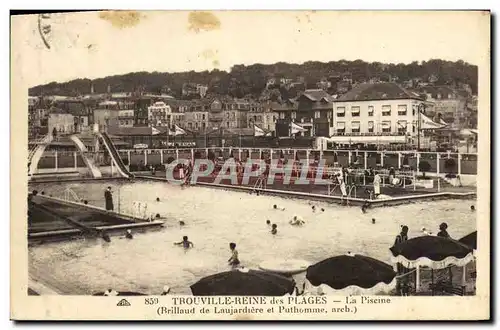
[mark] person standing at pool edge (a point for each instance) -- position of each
(376, 184)
(234, 261)
(108, 197)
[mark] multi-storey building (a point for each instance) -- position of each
(370, 112)
(160, 114)
(310, 110)
(126, 118)
(451, 104)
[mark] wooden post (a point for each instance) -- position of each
(418, 161)
(307, 156)
(366, 160)
(399, 160)
(161, 156)
(128, 157)
(349, 157)
(75, 160)
(55, 160)
(239, 154)
(145, 157)
(112, 168)
(437, 164)
(417, 281)
(260, 153)
(192, 156)
(177, 154)
(459, 170)
(382, 159)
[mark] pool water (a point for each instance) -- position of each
(214, 218)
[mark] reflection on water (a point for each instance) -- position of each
(214, 218)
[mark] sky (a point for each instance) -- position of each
(93, 45)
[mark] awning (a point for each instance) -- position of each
(355, 125)
(340, 125)
(355, 110)
(340, 110)
(370, 124)
(427, 123)
(402, 107)
(386, 108)
(386, 124)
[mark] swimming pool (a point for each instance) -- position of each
(214, 218)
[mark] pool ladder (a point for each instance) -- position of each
(260, 184)
(70, 194)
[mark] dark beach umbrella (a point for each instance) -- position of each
(470, 240)
(243, 282)
(434, 248)
(346, 270)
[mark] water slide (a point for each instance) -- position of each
(96, 173)
(36, 153)
(114, 155)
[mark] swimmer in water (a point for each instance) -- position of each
(268, 222)
(296, 221)
(472, 208)
(185, 243)
(278, 208)
(373, 220)
(233, 261)
(181, 223)
(426, 232)
(313, 208)
(157, 199)
(129, 234)
(364, 207)
(274, 229)
(105, 237)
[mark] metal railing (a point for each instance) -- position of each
(71, 195)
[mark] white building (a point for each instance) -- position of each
(126, 118)
(160, 114)
(63, 123)
(376, 113)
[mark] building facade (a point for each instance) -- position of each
(311, 110)
(126, 118)
(62, 123)
(373, 111)
(160, 114)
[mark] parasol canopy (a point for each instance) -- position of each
(431, 251)
(243, 282)
(470, 240)
(352, 273)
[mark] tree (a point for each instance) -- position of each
(424, 166)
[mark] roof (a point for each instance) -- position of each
(316, 95)
(127, 131)
(377, 91)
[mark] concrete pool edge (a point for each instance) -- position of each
(335, 199)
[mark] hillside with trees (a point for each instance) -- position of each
(251, 80)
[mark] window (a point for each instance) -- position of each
(317, 114)
(227, 124)
(370, 127)
(371, 110)
(355, 111)
(190, 125)
(282, 115)
(274, 118)
(340, 127)
(402, 110)
(386, 110)
(196, 125)
(386, 126)
(402, 126)
(355, 127)
(340, 111)
(294, 115)
(203, 116)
